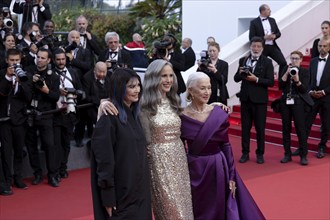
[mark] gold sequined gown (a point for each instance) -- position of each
(171, 193)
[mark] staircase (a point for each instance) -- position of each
(273, 132)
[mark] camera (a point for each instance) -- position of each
(49, 40)
(20, 73)
(5, 12)
(294, 70)
(70, 47)
(205, 59)
(40, 82)
(161, 48)
(114, 64)
(246, 71)
(8, 23)
(71, 97)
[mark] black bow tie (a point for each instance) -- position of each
(113, 53)
(82, 35)
(322, 59)
(264, 19)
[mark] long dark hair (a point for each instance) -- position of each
(118, 82)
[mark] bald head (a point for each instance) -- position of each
(100, 70)
(74, 36)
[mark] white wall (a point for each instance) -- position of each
(219, 18)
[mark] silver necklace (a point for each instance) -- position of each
(196, 111)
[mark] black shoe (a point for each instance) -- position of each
(58, 178)
(296, 152)
(64, 174)
(260, 159)
(244, 158)
(303, 161)
(6, 192)
(37, 179)
(79, 143)
(20, 184)
(286, 159)
(53, 182)
(320, 153)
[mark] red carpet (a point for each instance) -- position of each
(282, 191)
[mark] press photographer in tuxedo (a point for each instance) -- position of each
(256, 74)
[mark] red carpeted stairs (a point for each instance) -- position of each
(274, 123)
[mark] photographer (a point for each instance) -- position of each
(294, 83)
(33, 11)
(45, 96)
(217, 70)
(15, 95)
(114, 56)
(256, 72)
(64, 121)
(78, 57)
(7, 24)
(166, 49)
(32, 36)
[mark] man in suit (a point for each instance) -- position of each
(65, 120)
(320, 91)
(44, 98)
(15, 95)
(32, 35)
(188, 53)
(78, 58)
(87, 39)
(113, 56)
(37, 12)
(266, 27)
(256, 72)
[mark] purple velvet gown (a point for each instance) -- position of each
(211, 166)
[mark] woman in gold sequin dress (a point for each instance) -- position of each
(160, 104)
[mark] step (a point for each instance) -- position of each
(271, 114)
(276, 137)
(276, 125)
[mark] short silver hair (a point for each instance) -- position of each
(109, 35)
(192, 81)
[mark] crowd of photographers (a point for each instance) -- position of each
(50, 88)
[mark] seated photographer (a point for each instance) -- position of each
(31, 34)
(64, 121)
(113, 56)
(15, 95)
(78, 57)
(217, 70)
(45, 96)
(33, 11)
(294, 83)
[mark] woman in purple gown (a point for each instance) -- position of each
(217, 190)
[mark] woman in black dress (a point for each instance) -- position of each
(119, 169)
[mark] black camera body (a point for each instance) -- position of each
(71, 47)
(205, 59)
(49, 40)
(161, 48)
(246, 71)
(40, 82)
(77, 92)
(20, 73)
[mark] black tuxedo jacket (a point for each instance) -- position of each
(256, 29)
(95, 91)
(82, 62)
(177, 61)
(123, 57)
(325, 79)
(16, 102)
(26, 10)
(252, 91)
(189, 58)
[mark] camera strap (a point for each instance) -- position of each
(64, 75)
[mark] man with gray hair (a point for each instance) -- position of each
(113, 56)
(188, 53)
(137, 51)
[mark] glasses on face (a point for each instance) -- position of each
(113, 42)
(294, 58)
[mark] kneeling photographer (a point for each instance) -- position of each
(64, 121)
(44, 99)
(217, 70)
(294, 83)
